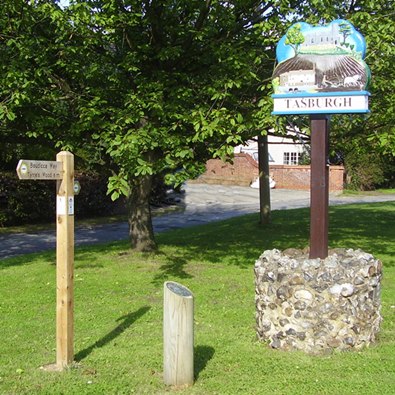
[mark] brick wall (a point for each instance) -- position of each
(244, 170)
(298, 177)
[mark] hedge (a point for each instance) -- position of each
(28, 201)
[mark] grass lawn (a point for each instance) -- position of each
(118, 313)
(376, 192)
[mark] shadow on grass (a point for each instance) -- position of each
(27, 259)
(203, 354)
(173, 268)
(127, 321)
(240, 241)
(237, 241)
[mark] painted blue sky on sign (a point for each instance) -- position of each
(318, 59)
(284, 51)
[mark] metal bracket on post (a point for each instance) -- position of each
(319, 189)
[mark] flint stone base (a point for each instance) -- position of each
(316, 305)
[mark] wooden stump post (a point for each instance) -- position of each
(178, 336)
(65, 262)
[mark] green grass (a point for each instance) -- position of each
(369, 193)
(118, 313)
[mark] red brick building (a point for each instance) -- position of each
(244, 170)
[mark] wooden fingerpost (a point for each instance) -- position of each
(65, 262)
(178, 336)
(319, 189)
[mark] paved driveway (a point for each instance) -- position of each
(203, 203)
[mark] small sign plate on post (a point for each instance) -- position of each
(39, 170)
(61, 205)
(70, 210)
(323, 103)
(76, 187)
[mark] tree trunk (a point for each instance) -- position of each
(141, 231)
(264, 180)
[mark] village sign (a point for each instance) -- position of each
(321, 70)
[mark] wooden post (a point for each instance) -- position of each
(178, 335)
(319, 189)
(65, 262)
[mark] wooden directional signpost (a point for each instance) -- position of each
(320, 72)
(39, 170)
(61, 170)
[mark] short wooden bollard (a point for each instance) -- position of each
(178, 336)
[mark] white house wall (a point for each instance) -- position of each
(276, 150)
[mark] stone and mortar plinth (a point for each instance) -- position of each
(316, 305)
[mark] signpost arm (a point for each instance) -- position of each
(319, 189)
(65, 262)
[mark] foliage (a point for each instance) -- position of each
(118, 313)
(93, 199)
(357, 137)
(367, 165)
(29, 202)
(364, 170)
(176, 80)
(32, 202)
(140, 87)
(158, 87)
(11, 153)
(376, 21)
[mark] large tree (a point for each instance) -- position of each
(147, 87)
(144, 87)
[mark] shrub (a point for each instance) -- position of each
(365, 170)
(29, 201)
(32, 202)
(25, 201)
(93, 201)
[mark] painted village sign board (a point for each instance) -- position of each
(321, 70)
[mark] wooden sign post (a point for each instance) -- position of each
(61, 170)
(320, 71)
(65, 262)
(319, 187)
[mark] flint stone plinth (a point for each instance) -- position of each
(316, 305)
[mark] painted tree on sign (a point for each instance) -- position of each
(345, 30)
(295, 37)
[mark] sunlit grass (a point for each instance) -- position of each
(118, 313)
(376, 192)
